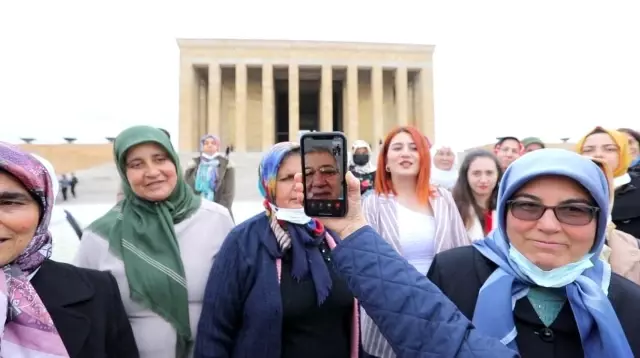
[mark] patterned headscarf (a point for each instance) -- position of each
(268, 169)
(207, 173)
(207, 136)
(303, 240)
(21, 309)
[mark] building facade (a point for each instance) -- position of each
(253, 94)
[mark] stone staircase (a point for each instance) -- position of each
(100, 184)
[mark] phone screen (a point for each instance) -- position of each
(324, 162)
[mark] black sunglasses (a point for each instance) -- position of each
(570, 214)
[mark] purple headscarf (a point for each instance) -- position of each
(21, 308)
(207, 136)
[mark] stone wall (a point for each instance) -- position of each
(68, 158)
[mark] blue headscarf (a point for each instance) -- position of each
(269, 166)
(207, 173)
(302, 239)
(598, 324)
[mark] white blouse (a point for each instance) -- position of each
(417, 237)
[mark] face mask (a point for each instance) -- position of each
(556, 278)
(294, 216)
(360, 159)
(207, 156)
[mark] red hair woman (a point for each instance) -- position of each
(416, 218)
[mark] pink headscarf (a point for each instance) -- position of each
(28, 328)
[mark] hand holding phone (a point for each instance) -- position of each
(324, 161)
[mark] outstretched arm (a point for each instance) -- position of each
(415, 317)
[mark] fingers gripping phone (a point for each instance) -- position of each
(324, 160)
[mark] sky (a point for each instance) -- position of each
(550, 69)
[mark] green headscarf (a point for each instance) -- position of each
(532, 140)
(141, 233)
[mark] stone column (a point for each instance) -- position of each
(201, 126)
(377, 90)
(402, 101)
(294, 103)
(268, 122)
(425, 97)
(213, 101)
(353, 103)
(326, 99)
(241, 108)
(188, 107)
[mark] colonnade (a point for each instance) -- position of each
(207, 117)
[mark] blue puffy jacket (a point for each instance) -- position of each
(417, 320)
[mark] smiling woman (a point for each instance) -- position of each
(536, 282)
(41, 298)
(416, 218)
(159, 242)
(20, 216)
(150, 172)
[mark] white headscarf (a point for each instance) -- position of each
(443, 178)
(56, 214)
(370, 167)
(64, 236)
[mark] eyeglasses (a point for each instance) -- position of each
(570, 214)
(324, 171)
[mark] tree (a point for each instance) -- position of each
(28, 140)
(70, 140)
(111, 139)
(564, 140)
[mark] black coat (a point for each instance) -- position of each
(86, 307)
(460, 273)
(368, 178)
(626, 211)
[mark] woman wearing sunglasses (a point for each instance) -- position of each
(537, 283)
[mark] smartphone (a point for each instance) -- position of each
(324, 163)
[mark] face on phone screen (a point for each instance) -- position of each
(324, 175)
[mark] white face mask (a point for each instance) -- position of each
(556, 278)
(207, 156)
(294, 216)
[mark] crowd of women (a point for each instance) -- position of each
(520, 252)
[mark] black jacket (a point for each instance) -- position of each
(86, 307)
(460, 272)
(626, 211)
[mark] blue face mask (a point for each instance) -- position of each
(556, 278)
